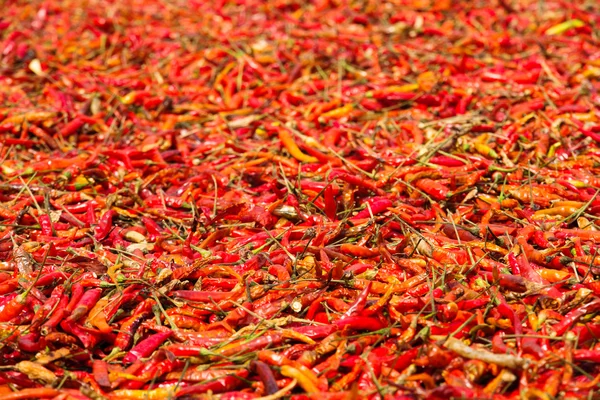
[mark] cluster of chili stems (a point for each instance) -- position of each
(327, 199)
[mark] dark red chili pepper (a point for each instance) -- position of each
(31, 342)
(266, 375)
(224, 384)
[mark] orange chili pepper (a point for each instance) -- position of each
(293, 148)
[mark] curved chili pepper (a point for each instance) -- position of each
(266, 375)
(360, 302)
(124, 338)
(88, 299)
(104, 225)
(574, 315)
(12, 308)
(292, 147)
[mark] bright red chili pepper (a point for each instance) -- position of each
(146, 347)
(104, 224)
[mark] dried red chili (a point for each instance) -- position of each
(299, 199)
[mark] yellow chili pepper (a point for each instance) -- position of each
(113, 270)
(293, 148)
(553, 275)
(485, 150)
(564, 26)
(81, 181)
(585, 117)
(291, 334)
(563, 211)
(427, 81)
(154, 394)
(223, 73)
(568, 203)
(97, 316)
(411, 87)
(303, 380)
(533, 320)
(553, 148)
(129, 97)
(489, 246)
(337, 112)
(34, 116)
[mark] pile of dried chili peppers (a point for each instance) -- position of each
(328, 199)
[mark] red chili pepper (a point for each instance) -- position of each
(433, 188)
(152, 227)
(17, 142)
(85, 303)
(31, 342)
(361, 323)
(457, 232)
(508, 312)
(359, 303)
(124, 339)
(46, 225)
(374, 207)
(57, 315)
(354, 180)
(100, 372)
(193, 295)
(573, 316)
(447, 161)
(104, 225)
(357, 251)
(42, 313)
(513, 263)
(146, 347)
(584, 131)
(393, 95)
(220, 385)
(73, 126)
(12, 308)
